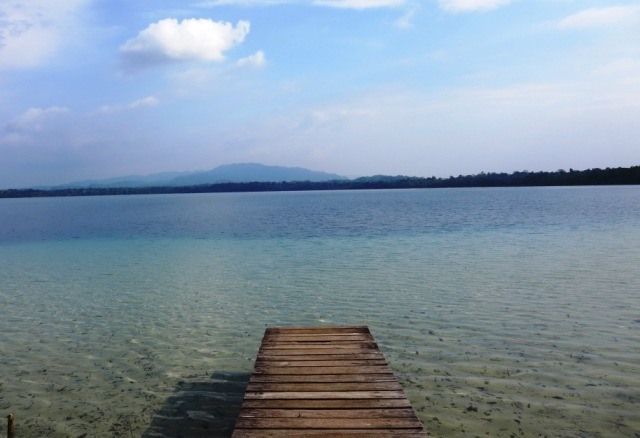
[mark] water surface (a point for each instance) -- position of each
(502, 311)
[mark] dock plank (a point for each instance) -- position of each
(262, 362)
(315, 351)
(320, 395)
(324, 381)
(328, 423)
(319, 378)
(319, 337)
(334, 433)
(329, 356)
(327, 404)
(299, 345)
(329, 330)
(327, 413)
(363, 369)
(324, 386)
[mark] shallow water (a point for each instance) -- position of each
(502, 311)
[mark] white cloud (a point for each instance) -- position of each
(535, 126)
(146, 102)
(193, 39)
(140, 103)
(471, 5)
(30, 125)
(359, 4)
(32, 31)
(602, 17)
(34, 118)
(215, 3)
(338, 118)
(343, 4)
(256, 60)
(405, 22)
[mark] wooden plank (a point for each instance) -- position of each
(293, 345)
(327, 413)
(324, 381)
(320, 395)
(321, 337)
(327, 404)
(338, 339)
(328, 423)
(370, 354)
(320, 370)
(317, 344)
(321, 328)
(335, 433)
(261, 362)
(317, 329)
(314, 351)
(319, 378)
(361, 337)
(324, 387)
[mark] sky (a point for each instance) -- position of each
(94, 89)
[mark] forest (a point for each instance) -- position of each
(590, 177)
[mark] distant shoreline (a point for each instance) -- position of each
(590, 177)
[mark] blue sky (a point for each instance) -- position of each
(104, 88)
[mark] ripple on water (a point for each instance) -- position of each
(492, 329)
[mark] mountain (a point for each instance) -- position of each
(242, 172)
(153, 180)
(250, 172)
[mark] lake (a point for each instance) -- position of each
(502, 311)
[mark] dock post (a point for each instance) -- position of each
(11, 426)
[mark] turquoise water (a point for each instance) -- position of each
(502, 311)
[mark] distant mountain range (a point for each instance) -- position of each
(235, 173)
(258, 178)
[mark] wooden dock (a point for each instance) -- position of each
(324, 381)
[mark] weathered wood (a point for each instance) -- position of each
(334, 433)
(327, 404)
(324, 381)
(323, 387)
(320, 370)
(318, 329)
(11, 426)
(297, 345)
(320, 395)
(317, 351)
(262, 362)
(344, 356)
(319, 378)
(327, 413)
(323, 338)
(328, 423)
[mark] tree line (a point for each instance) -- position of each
(608, 176)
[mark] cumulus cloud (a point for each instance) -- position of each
(359, 4)
(256, 60)
(471, 5)
(170, 40)
(602, 17)
(31, 32)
